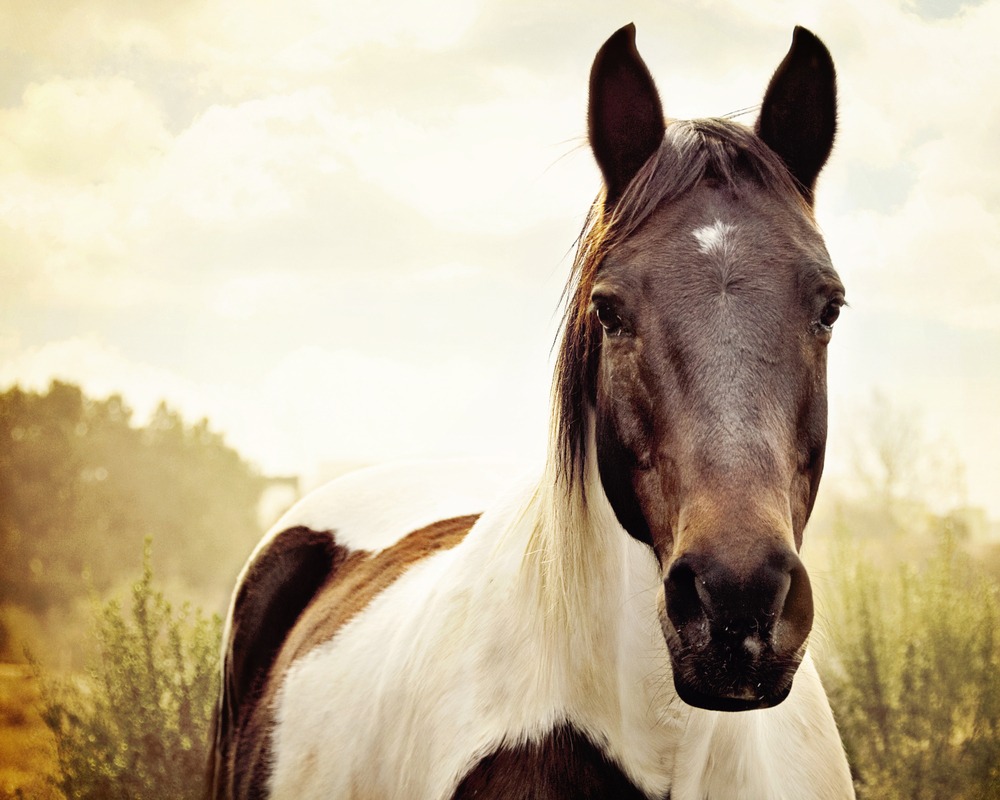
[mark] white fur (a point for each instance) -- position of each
(469, 650)
(788, 752)
(373, 508)
(714, 238)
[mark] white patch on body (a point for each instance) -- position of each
(374, 508)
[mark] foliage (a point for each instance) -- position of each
(915, 674)
(80, 484)
(136, 726)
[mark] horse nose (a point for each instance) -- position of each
(767, 604)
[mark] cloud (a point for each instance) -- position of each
(388, 195)
(238, 164)
(932, 254)
(124, 212)
(372, 408)
(101, 370)
(81, 130)
(73, 155)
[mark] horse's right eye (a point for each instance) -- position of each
(608, 317)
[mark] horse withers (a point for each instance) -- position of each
(416, 632)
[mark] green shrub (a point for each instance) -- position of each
(914, 676)
(136, 725)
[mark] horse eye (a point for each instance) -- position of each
(830, 313)
(609, 319)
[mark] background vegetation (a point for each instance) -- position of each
(81, 486)
(135, 727)
(909, 639)
(913, 673)
(121, 708)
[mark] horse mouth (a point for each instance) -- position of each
(745, 699)
(717, 677)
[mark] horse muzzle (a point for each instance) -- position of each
(736, 636)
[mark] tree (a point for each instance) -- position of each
(80, 485)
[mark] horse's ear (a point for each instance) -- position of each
(798, 118)
(625, 118)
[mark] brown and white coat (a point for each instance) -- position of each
(446, 682)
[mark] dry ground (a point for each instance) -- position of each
(27, 750)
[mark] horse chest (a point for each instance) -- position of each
(411, 694)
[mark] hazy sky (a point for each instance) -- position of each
(340, 230)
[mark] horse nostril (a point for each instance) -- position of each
(684, 601)
(796, 617)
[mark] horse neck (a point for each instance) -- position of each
(580, 565)
(586, 601)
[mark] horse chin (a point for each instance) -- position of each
(747, 700)
(714, 680)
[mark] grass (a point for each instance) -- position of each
(135, 725)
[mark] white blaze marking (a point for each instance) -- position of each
(712, 238)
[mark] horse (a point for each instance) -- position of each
(631, 622)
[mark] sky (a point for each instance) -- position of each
(341, 230)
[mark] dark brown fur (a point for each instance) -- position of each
(722, 151)
(278, 586)
(564, 765)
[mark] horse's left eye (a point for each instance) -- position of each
(831, 313)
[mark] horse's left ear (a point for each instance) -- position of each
(798, 118)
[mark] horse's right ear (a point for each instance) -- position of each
(625, 117)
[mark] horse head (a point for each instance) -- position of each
(693, 367)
